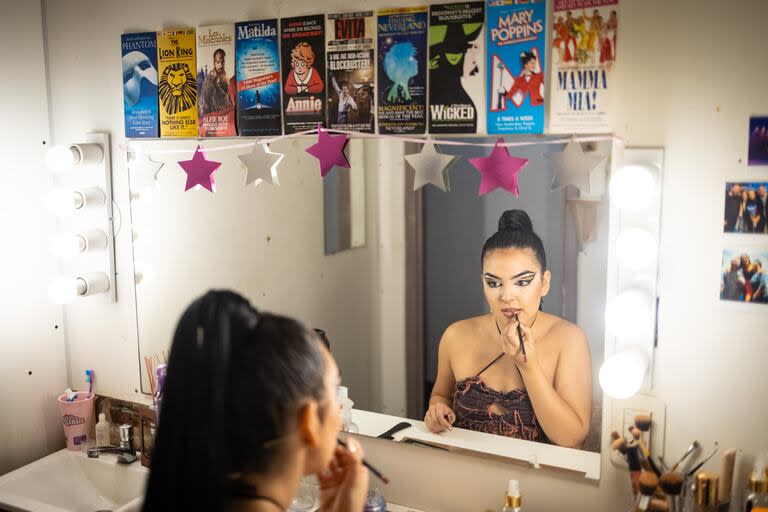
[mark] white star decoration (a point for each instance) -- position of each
(572, 166)
(143, 169)
(261, 166)
(429, 166)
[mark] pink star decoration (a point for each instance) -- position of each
(199, 170)
(498, 170)
(329, 150)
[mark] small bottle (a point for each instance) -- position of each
(757, 499)
(707, 496)
(347, 425)
(102, 431)
(375, 502)
(513, 502)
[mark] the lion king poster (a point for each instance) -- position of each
(177, 88)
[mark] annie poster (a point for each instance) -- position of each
(302, 47)
(584, 36)
(516, 41)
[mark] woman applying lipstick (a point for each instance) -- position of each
(517, 371)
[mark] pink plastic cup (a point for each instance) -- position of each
(77, 419)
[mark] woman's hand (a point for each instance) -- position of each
(344, 484)
(439, 417)
(510, 341)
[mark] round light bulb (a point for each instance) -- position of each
(636, 248)
(61, 158)
(633, 187)
(61, 202)
(66, 245)
(621, 375)
(629, 315)
(63, 290)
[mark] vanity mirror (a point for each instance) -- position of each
(385, 304)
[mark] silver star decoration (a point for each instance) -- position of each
(572, 166)
(261, 166)
(143, 170)
(429, 166)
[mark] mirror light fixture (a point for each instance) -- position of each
(633, 187)
(62, 158)
(67, 245)
(622, 374)
(63, 290)
(63, 202)
(636, 248)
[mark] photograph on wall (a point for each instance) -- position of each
(743, 275)
(758, 140)
(402, 73)
(746, 205)
(258, 78)
(302, 47)
(177, 88)
(457, 68)
(140, 84)
(583, 64)
(216, 82)
(516, 85)
(351, 71)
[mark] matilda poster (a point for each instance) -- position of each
(302, 46)
(402, 58)
(351, 76)
(177, 89)
(583, 61)
(140, 84)
(516, 66)
(258, 78)
(216, 81)
(456, 68)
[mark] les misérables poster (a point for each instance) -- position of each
(457, 68)
(516, 40)
(302, 47)
(402, 74)
(351, 71)
(583, 62)
(216, 83)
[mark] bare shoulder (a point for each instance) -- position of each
(566, 334)
(458, 333)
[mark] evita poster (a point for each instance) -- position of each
(583, 63)
(402, 59)
(258, 78)
(516, 40)
(456, 68)
(351, 71)
(302, 47)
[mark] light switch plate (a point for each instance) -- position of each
(622, 417)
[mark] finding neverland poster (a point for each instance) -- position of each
(402, 74)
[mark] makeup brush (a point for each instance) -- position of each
(672, 484)
(633, 461)
(727, 463)
(366, 464)
(698, 466)
(690, 450)
(620, 445)
(614, 436)
(648, 483)
(658, 505)
(637, 435)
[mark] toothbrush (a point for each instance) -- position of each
(71, 395)
(89, 379)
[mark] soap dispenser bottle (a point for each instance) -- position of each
(102, 431)
(512, 501)
(347, 425)
(757, 500)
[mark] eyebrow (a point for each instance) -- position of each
(521, 274)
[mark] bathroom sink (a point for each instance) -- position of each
(70, 481)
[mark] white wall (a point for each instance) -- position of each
(690, 74)
(32, 361)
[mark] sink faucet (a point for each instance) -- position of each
(126, 453)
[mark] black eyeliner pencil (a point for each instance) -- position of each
(371, 468)
(520, 336)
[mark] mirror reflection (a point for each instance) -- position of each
(426, 316)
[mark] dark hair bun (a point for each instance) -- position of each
(515, 220)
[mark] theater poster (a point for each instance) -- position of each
(584, 34)
(516, 85)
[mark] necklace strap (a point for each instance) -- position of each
(248, 492)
